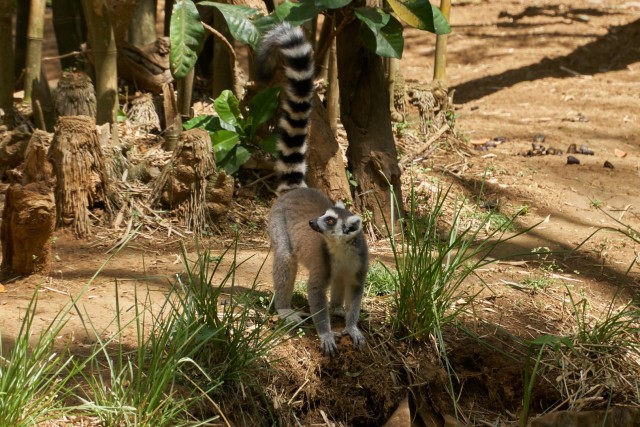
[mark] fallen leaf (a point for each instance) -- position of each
(481, 141)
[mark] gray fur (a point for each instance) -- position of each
(334, 260)
(304, 226)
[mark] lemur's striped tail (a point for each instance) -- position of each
(287, 46)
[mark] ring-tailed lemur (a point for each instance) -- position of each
(304, 225)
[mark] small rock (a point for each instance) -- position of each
(608, 165)
(585, 150)
(572, 160)
(500, 139)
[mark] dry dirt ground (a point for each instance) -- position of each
(568, 71)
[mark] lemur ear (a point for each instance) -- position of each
(340, 204)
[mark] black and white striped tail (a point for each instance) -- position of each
(287, 46)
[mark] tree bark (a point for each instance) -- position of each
(440, 64)
(7, 8)
(103, 45)
(34, 47)
(20, 46)
(223, 64)
(364, 110)
(142, 28)
(70, 28)
(326, 168)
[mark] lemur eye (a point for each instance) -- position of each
(330, 221)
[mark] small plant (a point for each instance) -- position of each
(34, 379)
(234, 136)
(205, 337)
(430, 271)
(596, 203)
(380, 280)
(232, 336)
(538, 283)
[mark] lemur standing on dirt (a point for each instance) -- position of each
(304, 225)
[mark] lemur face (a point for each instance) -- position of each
(337, 223)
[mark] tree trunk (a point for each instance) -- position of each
(142, 29)
(440, 65)
(104, 50)
(223, 63)
(120, 13)
(7, 8)
(70, 28)
(22, 23)
(168, 9)
(364, 110)
(185, 94)
(34, 47)
(326, 168)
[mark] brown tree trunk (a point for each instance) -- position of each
(34, 47)
(223, 64)
(7, 8)
(120, 14)
(142, 28)
(28, 222)
(326, 168)
(440, 64)
(70, 29)
(20, 43)
(364, 110)
(103, 45)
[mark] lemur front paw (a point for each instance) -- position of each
(328, 344)
(356, 336)
(290, 316)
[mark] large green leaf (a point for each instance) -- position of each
(240, 20)
(265, 23)
(264, 105)
(207, 122)
(228, 108)
(381, 32)
(421, 14)
(224, 141)
(187, 36)
(297, 13)
(236, 159)
(270, 144)
(331, 4)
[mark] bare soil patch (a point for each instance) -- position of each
(554, 73)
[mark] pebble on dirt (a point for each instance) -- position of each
(572, 160)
